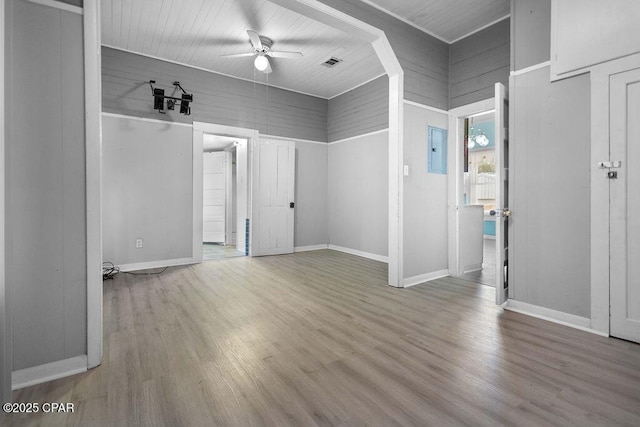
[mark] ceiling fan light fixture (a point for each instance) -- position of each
(482, 140)
(261, 63)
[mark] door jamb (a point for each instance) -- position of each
(199, 129)
(456, 176)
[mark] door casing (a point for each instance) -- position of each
(199, 129)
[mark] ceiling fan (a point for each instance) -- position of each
(262, 51)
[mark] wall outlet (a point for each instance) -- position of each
(138, 243)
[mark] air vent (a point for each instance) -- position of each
(331, 62)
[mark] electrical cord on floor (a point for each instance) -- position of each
(146, 274)
(109, 270)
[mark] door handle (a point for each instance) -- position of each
(292, 205)
(500, 212)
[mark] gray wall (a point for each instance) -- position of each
(424, 59)
(425, 198)
(217, 99)
(551, 192)
(45, 172)
(311, 194)
(358, 189)
(530, 32)
(362, 110)
(148, 187)
(477, 62)
(5, 306)
(147, 190)
(550, 175)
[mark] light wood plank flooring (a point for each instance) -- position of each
(318, 338)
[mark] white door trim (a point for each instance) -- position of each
(321, 12)
(93, 164)
(600, 187)
(456, 176)
(199, 129)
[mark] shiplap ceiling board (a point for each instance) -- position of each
(449, 20)
(197, 32)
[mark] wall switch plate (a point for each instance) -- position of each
(138, 243)
(406, 170)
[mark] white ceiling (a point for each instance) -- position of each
(448, 20)
(197, 32)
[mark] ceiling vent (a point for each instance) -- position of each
(331, 62)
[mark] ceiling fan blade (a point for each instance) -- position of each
(255, 39)
(285, 54)
(238, 55)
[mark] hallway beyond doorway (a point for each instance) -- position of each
(211, 251)
(486, 276)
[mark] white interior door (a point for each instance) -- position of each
(502, 193)
(624, 205)
(274, 182)
(213, 197)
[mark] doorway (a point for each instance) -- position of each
(224, 202)
(479, 199)
(221, 222)
(478, 185)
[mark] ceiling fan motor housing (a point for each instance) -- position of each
(266, 44)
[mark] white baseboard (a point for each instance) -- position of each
(48, 372)
(310, 248)
(560, 317)
(421, 278)
(472, 268)
(376, 257)
(156, 264)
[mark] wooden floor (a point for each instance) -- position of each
(318, 338)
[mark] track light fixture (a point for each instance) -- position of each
(159, 98)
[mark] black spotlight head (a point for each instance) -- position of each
(184, 104)
(158, 99)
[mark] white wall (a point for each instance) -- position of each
(311, 194)
(425, 198)
(147, 190)
(358, 188)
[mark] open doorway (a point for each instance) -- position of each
(220, 222)
(479, 199)
(471, 194)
